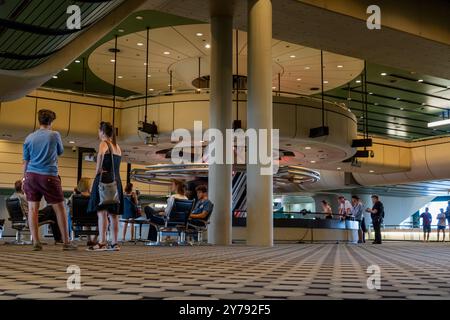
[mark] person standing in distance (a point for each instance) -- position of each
(41, 150)
(377, 215)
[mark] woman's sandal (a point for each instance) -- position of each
(98, 247)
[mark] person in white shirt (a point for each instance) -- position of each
(179, 189)
(345, 207)
(441, 218)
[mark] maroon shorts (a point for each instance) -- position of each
(38, 185)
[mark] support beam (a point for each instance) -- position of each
(220, 180)
(259, 115)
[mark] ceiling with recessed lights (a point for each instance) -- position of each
(185, 50)
(400, 104)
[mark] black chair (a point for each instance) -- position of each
(82, 221)
(130, 206)
(200, 226)
(2, 228)
(176, 220)
(17, 218)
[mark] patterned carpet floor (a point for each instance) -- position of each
(288, 271)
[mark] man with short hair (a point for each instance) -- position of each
(358, 214)
(377, 215)
(426, 224)
(203, 208)
(41, 150)
(345, 207)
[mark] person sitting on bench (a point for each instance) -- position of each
(45, 214)
(203, 207)
(158, 216)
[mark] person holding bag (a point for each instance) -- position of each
(107, 194)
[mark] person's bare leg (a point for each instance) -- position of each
(360, 236)
(124, 233)
(438, 235)
(61, 216)
(33, 220)
(443, 235)
(102, 225)
(132, 230)
(114, 218)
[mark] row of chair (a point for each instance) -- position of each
(86, 224)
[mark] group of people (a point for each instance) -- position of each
(355, 210)
(442, 218)
(41, 150)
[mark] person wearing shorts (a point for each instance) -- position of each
(41, 150)
(426, 223)
(441, 225)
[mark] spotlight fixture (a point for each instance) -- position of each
(112, 60)
(207, 46)
(77, 61)
(55, 77)
(140, 44)
(292, 56)
(199, 34)
(383, 74)
(307, 68)
(65, 69)
(420, 80)
(340, 66)
(139, 18)
(166, 53)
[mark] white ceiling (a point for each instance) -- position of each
(299, 66)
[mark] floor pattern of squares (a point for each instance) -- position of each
(290, 271)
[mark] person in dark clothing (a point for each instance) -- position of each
(377, 215)
(108, 170)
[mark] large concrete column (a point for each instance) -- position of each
(259, 116)
(220, 117)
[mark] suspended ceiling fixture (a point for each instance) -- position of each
(178, 48)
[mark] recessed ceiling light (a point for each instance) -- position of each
(402, 109)
(119, 77)
(420, 80)
(349, 99)
(145, 63)
(199, 34)
(307, 148)
(166, 52)
(65, 69)
(313, 161)
(207, 46)
(151, 89)
(340, 66)
(370, 93)
(120, 30)
(325, 81)
(139, 17)
(112, 60)
(77, 61)
(299, 79)
(383, 74)
(140, 44)
(376, 103)
(307, 68)
(339, 168)
(371, 171)
(397, 98)
(72, 142)
(423, 103)
(292, 56)
(55, 77)
(274, 88)
(149, 75)
(358, 81)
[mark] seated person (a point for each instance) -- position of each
(83, 188)
(203, 207)
(45, 214)
(158, 216)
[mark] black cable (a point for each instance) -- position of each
(115, 78)
(146, 75)
(321, 79)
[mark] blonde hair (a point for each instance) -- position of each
(84, 185)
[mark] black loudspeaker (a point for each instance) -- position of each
(362, 154)
(358, 143)
(237, 124)
(319, 132)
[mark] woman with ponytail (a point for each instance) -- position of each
(109, 157)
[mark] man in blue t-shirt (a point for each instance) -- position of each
(426, 223)
(41, 150)
(447, 214)
(203, 208)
